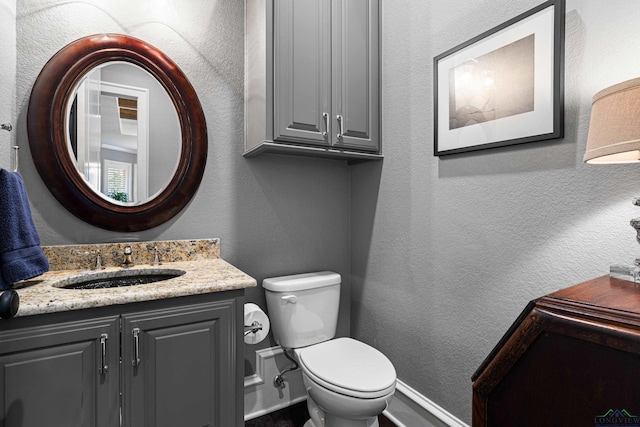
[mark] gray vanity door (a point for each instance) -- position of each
(59, 375)
(356, 91)
(302, 71)
(179, 367)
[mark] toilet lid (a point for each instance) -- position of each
(350, 365)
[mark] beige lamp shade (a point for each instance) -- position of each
(614, 130)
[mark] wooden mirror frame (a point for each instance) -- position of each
(46, 127)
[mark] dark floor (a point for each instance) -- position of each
(295, 416)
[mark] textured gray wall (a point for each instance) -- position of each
(7, 79)
(274, 215)
(447, 252)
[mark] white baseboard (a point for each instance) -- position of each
(411, 409)
(261, 396)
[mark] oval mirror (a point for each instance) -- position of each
(117, 132)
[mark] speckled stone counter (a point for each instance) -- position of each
(205, 272)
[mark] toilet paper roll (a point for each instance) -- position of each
(253, 313)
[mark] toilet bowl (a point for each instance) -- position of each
(337, 410)
(348, 382)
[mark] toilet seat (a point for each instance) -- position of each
(349, 367)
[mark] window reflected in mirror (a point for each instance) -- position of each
(121, 122)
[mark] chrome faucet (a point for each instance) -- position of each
(128, 257)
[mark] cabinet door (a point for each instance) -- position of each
(355, 50)
(179, 367)
(302, 80)
(60, 375)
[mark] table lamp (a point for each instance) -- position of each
(614, 137)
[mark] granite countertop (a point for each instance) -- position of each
(205, 272)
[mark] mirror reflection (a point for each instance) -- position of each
(123, 133)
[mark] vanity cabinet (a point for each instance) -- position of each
(176, 366)
(312, 78)
(163, 364)
(572, 358)
(59, 375)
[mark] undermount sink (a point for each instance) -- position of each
(119, 278)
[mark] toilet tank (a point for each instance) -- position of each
(303, 308)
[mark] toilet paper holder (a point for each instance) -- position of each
(252, 328)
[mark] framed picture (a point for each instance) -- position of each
(503, 87)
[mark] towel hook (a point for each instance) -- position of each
(6, 126)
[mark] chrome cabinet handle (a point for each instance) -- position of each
(341, 125)
(104, 368)
(136, 346)
(325, 117)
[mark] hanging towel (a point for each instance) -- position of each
(21, 256)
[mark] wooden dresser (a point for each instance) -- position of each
(571, 359)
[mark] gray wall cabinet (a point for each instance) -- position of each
(312, 78)
(162, 364)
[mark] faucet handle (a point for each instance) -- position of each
(98, 265)
(128, 257)
(156, 256)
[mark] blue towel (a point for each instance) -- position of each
(21, 256)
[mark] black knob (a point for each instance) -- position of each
(9, 303)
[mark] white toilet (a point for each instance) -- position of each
(348, 382)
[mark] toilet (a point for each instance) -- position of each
(348, 383)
